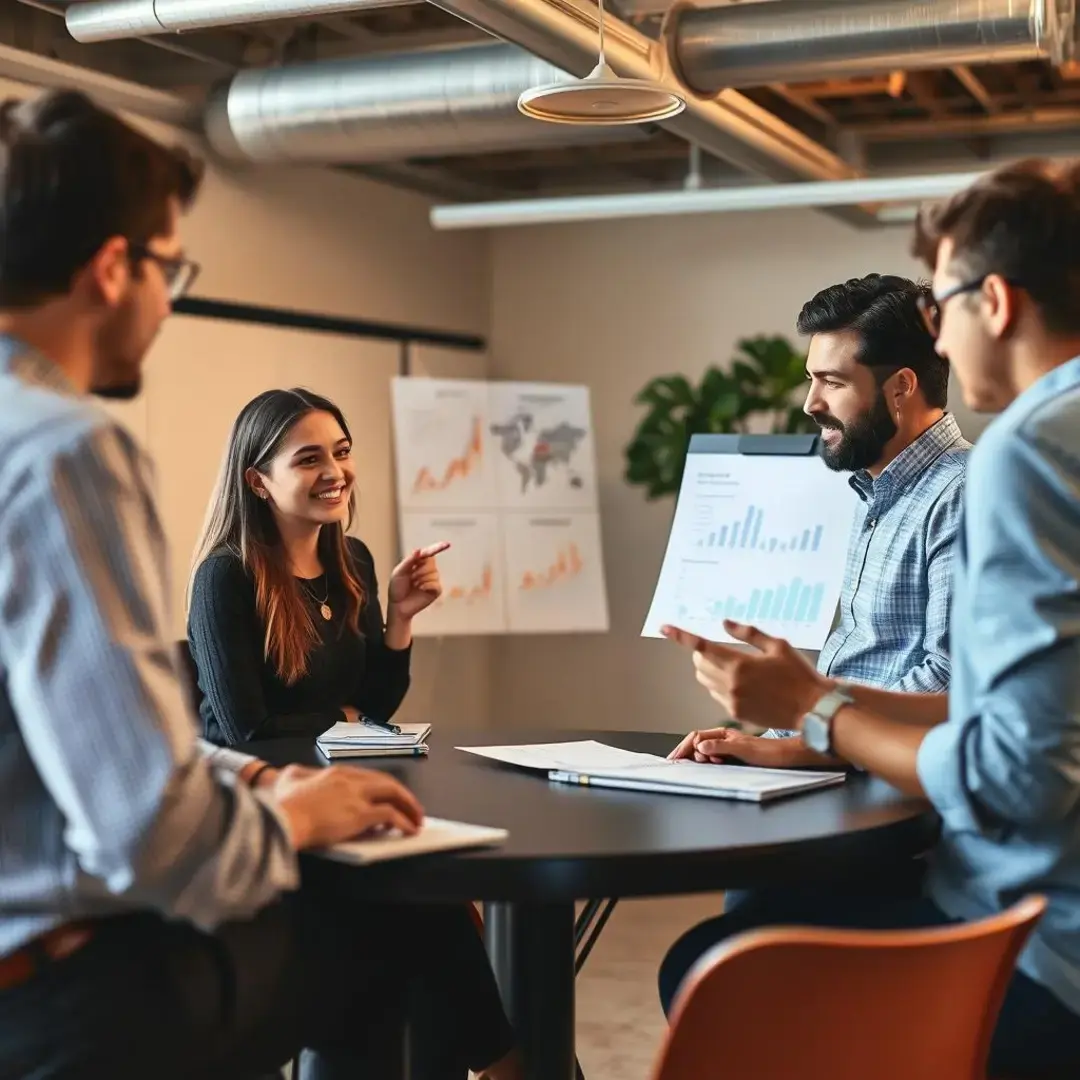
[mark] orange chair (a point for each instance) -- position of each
(891, 1005)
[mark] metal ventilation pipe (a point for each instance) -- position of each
(108, 20)
(752, 44)
(389, 108)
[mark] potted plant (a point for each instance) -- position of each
(762, 384)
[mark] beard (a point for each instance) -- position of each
(862, 441)
(120, 391)
(120, 348)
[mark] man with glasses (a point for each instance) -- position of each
(878, 391)
(999, 756)
(154, 917)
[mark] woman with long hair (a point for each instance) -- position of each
(284, 620)
(287, 634)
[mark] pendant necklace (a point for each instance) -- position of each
(324, 606)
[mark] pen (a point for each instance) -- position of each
(393, 729)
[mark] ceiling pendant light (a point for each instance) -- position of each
(601, 98)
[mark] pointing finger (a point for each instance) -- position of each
(751, 635)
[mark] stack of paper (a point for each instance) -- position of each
(596, 765)
(345, 740)
(435, 835)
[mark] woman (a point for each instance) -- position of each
(284, 621)
(287, 634)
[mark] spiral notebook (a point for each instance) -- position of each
(347, 740)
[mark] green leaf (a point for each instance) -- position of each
(765, 377)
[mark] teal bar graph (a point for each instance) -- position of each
(778, 602)
(796, 602)
(793, 596)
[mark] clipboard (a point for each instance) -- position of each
(754, 541)
(802, 445)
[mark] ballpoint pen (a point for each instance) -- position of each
(393, 729)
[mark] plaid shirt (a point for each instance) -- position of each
(892, 629)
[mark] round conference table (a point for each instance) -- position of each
(568, 843)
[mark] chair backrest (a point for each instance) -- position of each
(189, 672)
(847, 1005)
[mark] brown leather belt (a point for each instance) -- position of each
(23, 964)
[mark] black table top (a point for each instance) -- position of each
(570, 842)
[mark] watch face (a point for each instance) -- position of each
(816, 733)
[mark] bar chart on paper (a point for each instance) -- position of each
(757, 539)
(748, 535)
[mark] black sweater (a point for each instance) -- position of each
(243, 697)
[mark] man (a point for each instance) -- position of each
(999, 757)
(152, 919)
(878, 390)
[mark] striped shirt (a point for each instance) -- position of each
(110, 803)
(892, 628)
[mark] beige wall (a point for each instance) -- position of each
(613, 304)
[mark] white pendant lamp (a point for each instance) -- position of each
(601, 98)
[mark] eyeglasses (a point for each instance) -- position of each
(179, 274)
(930, 306)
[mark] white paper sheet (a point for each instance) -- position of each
(759, 539)
(437, 834)
(583, 756)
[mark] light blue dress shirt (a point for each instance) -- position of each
(1004, 771)
(108, 801)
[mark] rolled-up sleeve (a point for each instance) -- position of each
(93, 679)
(1010, 752)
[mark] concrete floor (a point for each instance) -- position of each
(619, 1022)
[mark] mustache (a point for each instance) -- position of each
(828, 423)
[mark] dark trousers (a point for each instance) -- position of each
(1036, 1035)
(151, 1000)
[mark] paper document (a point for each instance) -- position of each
(584, 755)
(695, 778)
(437, 834)
(594, 764)
(757, 538)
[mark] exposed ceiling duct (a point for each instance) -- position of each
(110, 20)
(753, 44)
(389, 108)
(694, 55)
(369, 110)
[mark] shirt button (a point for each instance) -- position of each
(871, 522)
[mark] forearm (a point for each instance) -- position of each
(917, 710)
(881, 745)
(398, 634)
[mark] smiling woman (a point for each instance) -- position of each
(284, 620)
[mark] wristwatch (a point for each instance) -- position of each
(817, 723)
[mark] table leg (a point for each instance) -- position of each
(532, 954)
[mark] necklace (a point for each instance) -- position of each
(324, 607)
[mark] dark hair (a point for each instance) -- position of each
(884, 311)
(1021, 221)
(239, 522)
(72, 177)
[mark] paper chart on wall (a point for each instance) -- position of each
(507, 473)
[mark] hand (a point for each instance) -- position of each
(326, 806)
(414, 584)
(773, 686)
(352, 716)
(717, 745)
